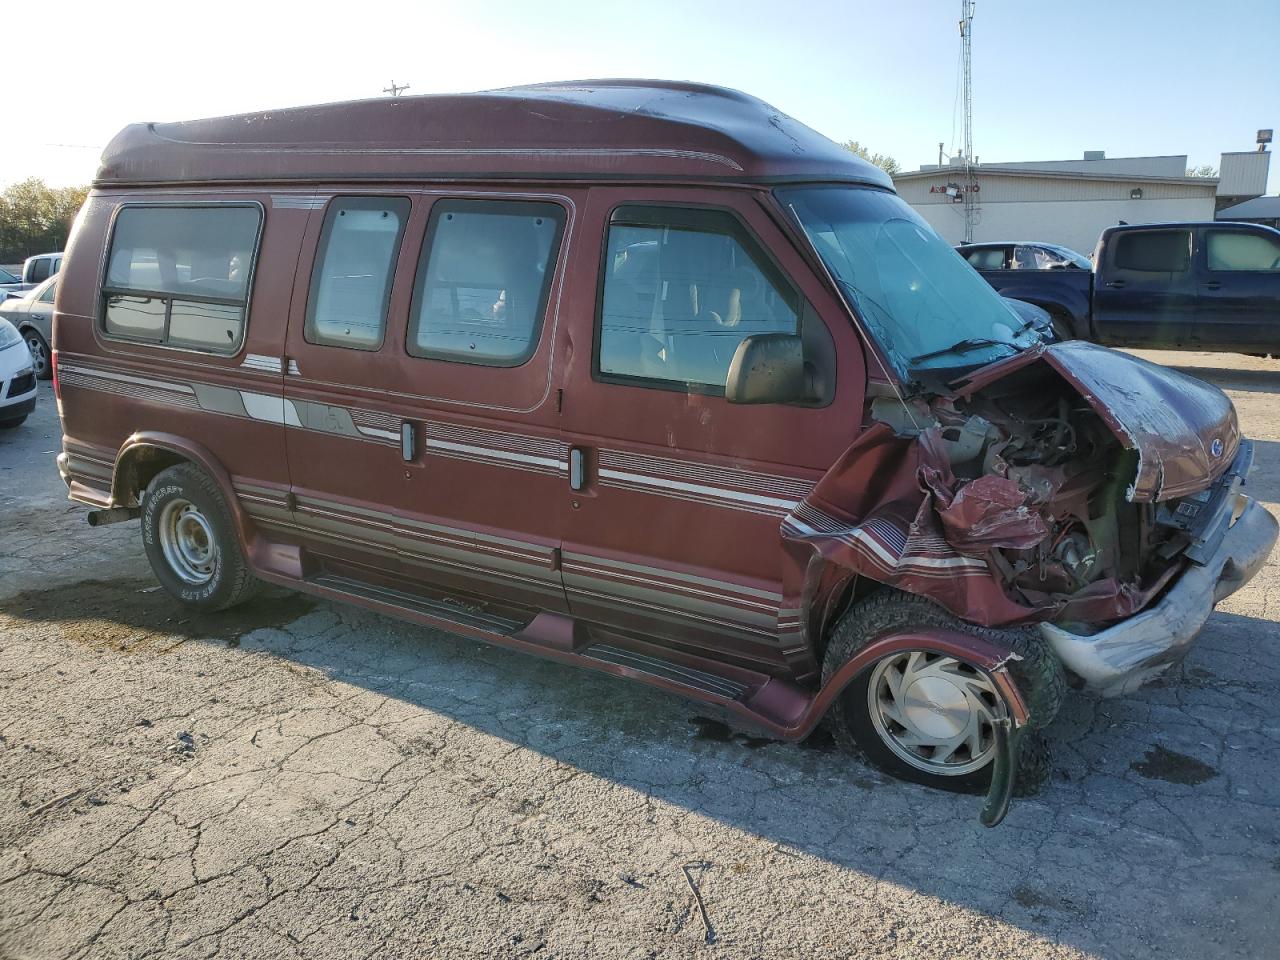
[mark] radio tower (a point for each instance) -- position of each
(966, 54)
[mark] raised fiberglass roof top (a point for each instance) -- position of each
(583, 130)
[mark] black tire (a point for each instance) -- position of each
(1039, 676)
(229, 581)
(41, 358)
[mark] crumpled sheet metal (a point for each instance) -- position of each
(985, 513)
(1184, 430)
(876, 513)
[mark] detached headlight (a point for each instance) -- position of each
(9, 334)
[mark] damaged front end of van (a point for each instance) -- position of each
(1080, 489)
(1091, 493)
(1065, 499)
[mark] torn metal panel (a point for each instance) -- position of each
(870, 514)
(993, 550)
(986, 513)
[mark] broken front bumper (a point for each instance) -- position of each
(1121, 658)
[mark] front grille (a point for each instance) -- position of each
(23, 384)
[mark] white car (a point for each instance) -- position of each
(17, 377)
(32, 313)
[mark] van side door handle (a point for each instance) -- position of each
(577, 468)
(1118, 284)
(408, 444)
(1213, 284)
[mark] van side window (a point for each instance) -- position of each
(484, 280)
(355, 264)
(180, 275)
(679, 293)
(40, 270)
(1154, 251)
(1239, 250)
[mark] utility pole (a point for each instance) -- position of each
(394, 90)
(966, 51)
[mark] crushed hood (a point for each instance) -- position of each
(1184, 430)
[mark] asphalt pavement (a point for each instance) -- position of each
(304, 779)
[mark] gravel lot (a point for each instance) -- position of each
(303, 779)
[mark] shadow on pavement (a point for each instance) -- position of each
(1250, 381)
(1136, 828)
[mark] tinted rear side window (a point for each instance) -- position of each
(180, 275)
(39, 270)
(484, 280)
(1238, 250)
(1154, 251)
(355, 264)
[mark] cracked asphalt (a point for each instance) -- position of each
(304, 779)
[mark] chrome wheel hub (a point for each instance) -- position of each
(39, 354)
(934, 712)
(187, 542)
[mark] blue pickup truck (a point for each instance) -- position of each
(1174, 286)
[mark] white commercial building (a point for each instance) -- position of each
(1069, 202)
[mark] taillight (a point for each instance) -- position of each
(53, 365)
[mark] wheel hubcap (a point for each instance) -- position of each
(935, 712)
(188, 542)
(39, 355)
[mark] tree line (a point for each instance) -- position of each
(36, 218)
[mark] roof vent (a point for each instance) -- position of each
(1095, 154)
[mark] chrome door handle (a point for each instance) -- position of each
(407, 444)
(577, 468)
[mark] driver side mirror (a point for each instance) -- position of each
(769, 368)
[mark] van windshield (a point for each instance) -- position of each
(921, 301)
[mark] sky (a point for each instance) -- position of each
(1051, 80)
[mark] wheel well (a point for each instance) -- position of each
(839, 602)
(139, 468)
(1059, 315)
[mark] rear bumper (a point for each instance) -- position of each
(1121, 658)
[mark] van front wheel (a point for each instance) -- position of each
(929, 718)
(191, 541)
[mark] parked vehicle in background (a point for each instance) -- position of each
(32, 314)
(17, 378)
(1180, 286)
(1022, 256)
(652, 379)
(9, 284)
(35, 271)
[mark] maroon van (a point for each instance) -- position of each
(649, 378)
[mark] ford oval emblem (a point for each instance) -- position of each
(1216, 447)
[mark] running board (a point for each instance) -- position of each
(641, 666)
(773, 706)
(457, 614)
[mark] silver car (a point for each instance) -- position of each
(32, 314)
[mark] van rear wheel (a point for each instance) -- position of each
(191, 541)
(929, 718)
